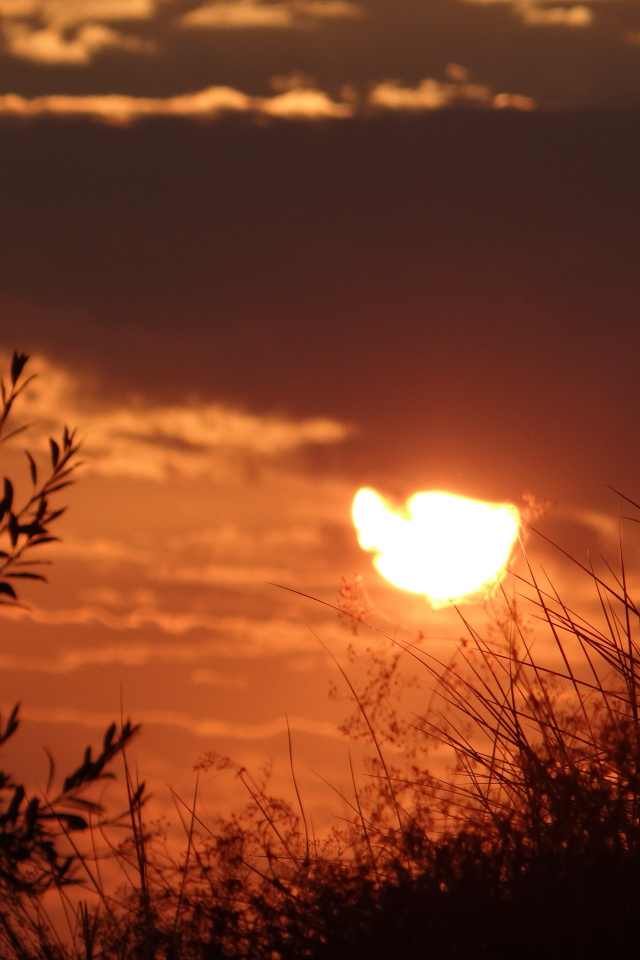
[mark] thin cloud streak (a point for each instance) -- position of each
(225, 538)
(159, 443)
(239, 636)
(298, 104)
(542, 15)
(252, 14)
(204, 104)
(118, 108)
(578, 16)
(201, 728)
(69, 13)
(432, 94)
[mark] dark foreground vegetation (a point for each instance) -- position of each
(530, 847)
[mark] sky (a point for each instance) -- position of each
(264, 254)
(323, 57)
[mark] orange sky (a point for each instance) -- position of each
(160, 594)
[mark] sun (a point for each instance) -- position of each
(442, 546)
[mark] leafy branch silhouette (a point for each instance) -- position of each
(31, 826)
(27, 527)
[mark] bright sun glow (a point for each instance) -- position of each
(444, 547)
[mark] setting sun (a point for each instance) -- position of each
(444, 546)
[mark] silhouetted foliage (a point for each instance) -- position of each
(32, 827)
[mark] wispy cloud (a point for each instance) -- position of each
(117, 108)
(225, 539)
(147, 568)
(302, 104)
(433, 94)
(158, 442)
(428, 95)
(50, 45)
(254, 14)
(68, 13)
(330, 9)
(225, 575)
(101, 550)
(220, 16)
(71, 31)
(74, 31)
(536, 14)
(199, 727)
(235, 636)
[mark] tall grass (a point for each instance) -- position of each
(529, 846)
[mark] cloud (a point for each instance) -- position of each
(158, 442)
(329, 8)
(428, 95)
(197, 514)
(50, 45)
(67, 13)
(236, 636)
(224, 539)
(536, 15)
(227, 637)
(541, 14)
(605, 526)
(206, 104)
(432, 94)
(117, 108)
(102, 550)
(199, 727)
(239, 15)
(300, 103)
(312, 104)
(513, 101)
(70, 31)
(225, 575)
(243, 14)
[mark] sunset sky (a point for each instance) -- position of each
(267, 253)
